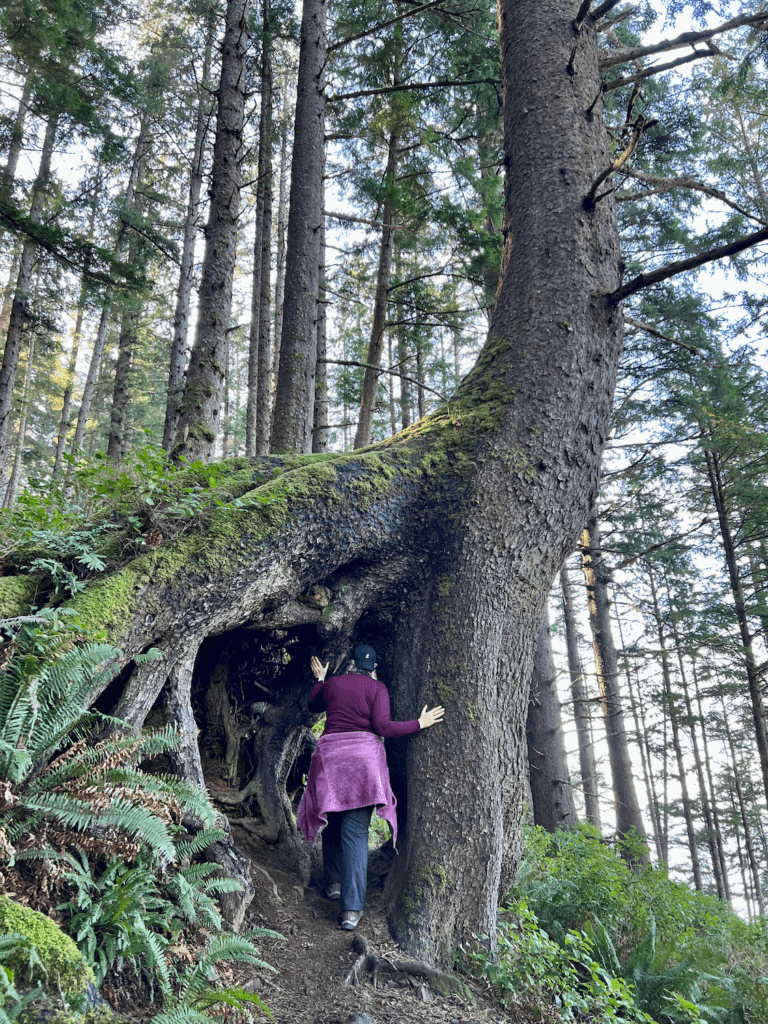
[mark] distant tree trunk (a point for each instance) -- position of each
(628, 817)
(671, 700)
(140, 153)
(710, 779)
(225, 420)
(638, 716)
(252, 397)
(320, 419)
(263, 407)
(199, 412)
(20, 307)
(406, 405)
(15, 146)
(739, 607)
(420, 377)
(282, 198)
(391, 388)
(13, 480)
(747, 830)
(7, 305)
(580, 706)
(380, 302)
(186, 271)
(295, 388)
(551, 790)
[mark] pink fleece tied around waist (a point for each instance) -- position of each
(348, 769)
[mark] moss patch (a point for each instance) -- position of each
(59, 955)
(17, 594)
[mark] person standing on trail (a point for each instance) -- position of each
(348, 775)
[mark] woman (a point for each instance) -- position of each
(348, 775)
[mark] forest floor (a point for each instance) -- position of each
(314, 957)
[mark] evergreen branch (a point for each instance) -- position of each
(383, 24)
(681, 266)
(439, 84)
(610, 58)
(657, 69)
(665, 184)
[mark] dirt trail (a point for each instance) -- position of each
(315, 956)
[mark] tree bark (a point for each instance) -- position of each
(186, 270)
(628, 817)
(15, 146)
(580, 706)
(295, 388)
(380, 303)
(282, 199)
(263, 397)
(320, 417)
(20, 307)
(13, 480)
(466, 522)
(200, 407)
(671, 703)
(551, 790)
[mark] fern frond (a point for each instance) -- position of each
(191, 847)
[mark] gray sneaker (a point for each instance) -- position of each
(333, 892)
(350, 919)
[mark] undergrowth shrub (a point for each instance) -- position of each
(686, 955)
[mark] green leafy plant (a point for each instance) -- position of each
(47, 679)
(12, 1002)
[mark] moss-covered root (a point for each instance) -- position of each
(58, 954)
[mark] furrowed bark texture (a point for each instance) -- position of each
(294, 397)
(198, 422)
(551, 791)
(439, 545)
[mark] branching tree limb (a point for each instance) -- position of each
(663, 337)
(666, 184)
(681, 266)
(439, 84)
(658, 69)
(382, 25)
(610, 58)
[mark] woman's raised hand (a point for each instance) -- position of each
(427, 718)
(318, 668)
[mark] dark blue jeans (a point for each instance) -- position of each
(345, 854)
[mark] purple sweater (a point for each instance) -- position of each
(357, 703)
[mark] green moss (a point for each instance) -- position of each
(17, 594)
(59, 955)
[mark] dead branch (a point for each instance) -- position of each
(663, 337)
(610, 58)
(692, 263)
(637, 133)
(605, 8)
(657, 69)
(380, 369)
(417, 86)
(383, 24)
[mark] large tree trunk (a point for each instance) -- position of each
(295, 387)
(380, 303)
(628, 817)
(199, 412)
(20, 307)
(186, 270)
(8, 177)
(439, 546)
(551, 790)
(263, 397)
(580, 706)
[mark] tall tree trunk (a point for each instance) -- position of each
(391, 388)
(295, 388)
(739, 607)
(263, 406)
(282, 198)
(406, 405)
(69, 387)
(141, 150)
(320, 418)
(15, 146)
(380, 302)
(13, 480)
(710, 779)
(186, 270)
(746, 828)
(628, 817)
(671, 701)
(580, 705)
(199, 412)
(551, 790)
(20, 307)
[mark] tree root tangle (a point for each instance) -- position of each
(367, 960)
